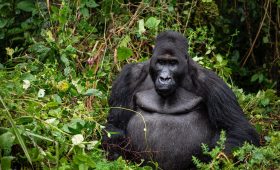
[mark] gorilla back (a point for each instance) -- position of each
(166, 107)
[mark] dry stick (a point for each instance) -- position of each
(189, 14)
(257, 35)
(276, 34)
(133, 18)
(249, 29)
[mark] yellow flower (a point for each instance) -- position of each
(63, 86)
(10, 51)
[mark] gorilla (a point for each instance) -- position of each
(163, 109)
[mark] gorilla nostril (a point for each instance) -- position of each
(167, 78)
(164, 79)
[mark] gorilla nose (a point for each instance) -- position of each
(164, 80)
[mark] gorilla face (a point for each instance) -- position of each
(165, 71)
(169, 62)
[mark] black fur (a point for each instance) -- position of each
(196, 111)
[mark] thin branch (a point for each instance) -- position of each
(257, 35)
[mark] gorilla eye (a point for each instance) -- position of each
(173, 62)
(161, 62)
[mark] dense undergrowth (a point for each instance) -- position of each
(58, 60)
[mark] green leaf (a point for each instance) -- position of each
(84, 12)
(2, 35)
(6, 140)
(265, 101)
(16, 131)
(70, 49)
(93, 92)
(141, 27)
(23, 120)
(27, 6)
(259, 128)
(65, 60)
(125, 41)
(91, 4)
(208, 51)
(51, 105)
(265, 39)
(6, 162)
(84, 161)
(74, 127)
(152, 23)
(57, 98)
(254, 77)
(124, 53)
(170, 8)
(261, 77)
(4, 5)
(219, 58)
(3, 22)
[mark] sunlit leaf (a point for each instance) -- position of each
(265, 101)
(125, 41)
(152, 23)
(141, 27)
(124, 53)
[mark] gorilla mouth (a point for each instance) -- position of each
(165, 90)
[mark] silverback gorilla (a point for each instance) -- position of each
(165, 108)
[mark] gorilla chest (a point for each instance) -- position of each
(169, 131)
(170, 140)
(161, 132)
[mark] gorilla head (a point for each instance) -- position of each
(167, 65)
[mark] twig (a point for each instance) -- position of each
(189, 14)
(257, 35)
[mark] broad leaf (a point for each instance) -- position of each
(124, 53)
(27, 6)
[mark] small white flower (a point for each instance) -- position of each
(41, 93)
(91, 144)
(26, 84)
(77, 139)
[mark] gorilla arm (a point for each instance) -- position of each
(121, 101)
(223, 108)
(123, 90)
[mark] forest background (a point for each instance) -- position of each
(59, 58)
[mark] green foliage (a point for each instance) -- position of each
(59, 59)
(218, 159)
(248, 156)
